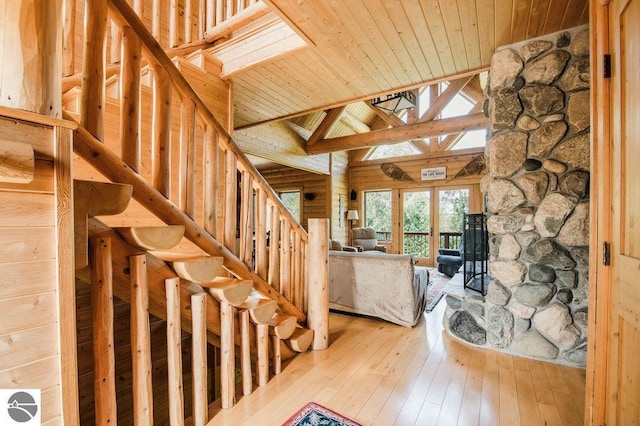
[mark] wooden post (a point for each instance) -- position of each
(285, 260)
(262, 336)
(130, 98)
(187, 177)
(69, 41)
(262, 261)
(140, 341)
(31, 56)
(246, 219)
(227, 361)
(104, 387)
(94, 54)
(318, 309)
(245, 347)
(277, 357)
(210, 180)
(230, 192)
(161, 152)
(199, 358)
(174, 352)
(274, 249)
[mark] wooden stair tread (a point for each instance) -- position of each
(261, 310)
(152, 237)
(301, 339)
(198, 269)
(282, 325)
(92, 199)
(233, 291)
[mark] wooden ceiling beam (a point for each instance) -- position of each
(474, 91)
(354, 123)
(400, 134)
(445, 97)
(323, 129)
(451, 139)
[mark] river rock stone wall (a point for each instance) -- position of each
(537, 194)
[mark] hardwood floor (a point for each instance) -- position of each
(381, 374)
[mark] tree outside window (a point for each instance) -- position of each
(291, 200)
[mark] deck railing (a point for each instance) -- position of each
(417, 243)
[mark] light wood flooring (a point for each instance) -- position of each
(382, 374)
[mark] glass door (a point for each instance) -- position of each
(452, 205)
(417, 229)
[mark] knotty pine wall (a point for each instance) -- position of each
(340, 190)
(288, 179)
(37, 323)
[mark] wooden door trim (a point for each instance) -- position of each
(600, 276)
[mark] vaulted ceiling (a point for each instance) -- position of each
(349, 51)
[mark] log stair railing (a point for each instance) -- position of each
(206, 310)
(265, 245)
(221, 204)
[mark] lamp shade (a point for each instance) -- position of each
(395, 102)
(352, 215)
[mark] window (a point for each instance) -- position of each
(377, 213)
(291, 200)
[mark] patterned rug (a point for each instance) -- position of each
(437, 281)
(313, 414)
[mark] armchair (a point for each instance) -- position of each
(450, 260)
(365, 239)
(338, 246)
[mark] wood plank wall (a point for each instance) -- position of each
(340, 191)
(29, 262)
(287, 179)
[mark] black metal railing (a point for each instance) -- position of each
(417, 243)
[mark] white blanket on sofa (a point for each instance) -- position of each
(386, 286)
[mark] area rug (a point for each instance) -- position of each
(314, 414)
(437, 281)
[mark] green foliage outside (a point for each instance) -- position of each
(291, 201)
(417, 221)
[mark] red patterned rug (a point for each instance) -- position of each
(314, 414)
(437, 281)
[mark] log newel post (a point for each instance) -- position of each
(318, 300)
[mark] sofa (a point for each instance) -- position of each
(386, 286)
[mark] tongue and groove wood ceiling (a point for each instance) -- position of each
(305, 94)
(357, 49)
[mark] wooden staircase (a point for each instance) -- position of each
(189, 233)
(138, 266)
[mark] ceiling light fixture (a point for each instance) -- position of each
(395, 102)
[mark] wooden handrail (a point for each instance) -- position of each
(125, 16)
(111, 166)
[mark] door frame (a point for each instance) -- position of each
(600, 276)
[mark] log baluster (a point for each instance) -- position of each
(199, 358)
(104, 388)
(140, 341)
(174, 352)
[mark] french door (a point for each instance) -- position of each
(416, 228)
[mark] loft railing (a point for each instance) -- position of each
(175, 24)
(182, 163)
